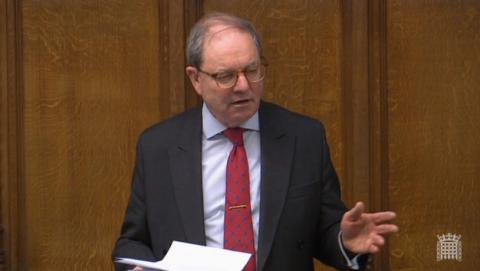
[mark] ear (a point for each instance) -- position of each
(192, 73)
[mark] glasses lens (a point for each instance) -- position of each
(229, 79)
(255, 75)
(226, 79)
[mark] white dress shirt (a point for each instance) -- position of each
(215, 150)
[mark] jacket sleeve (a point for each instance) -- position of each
(134, 240)
(332, 209)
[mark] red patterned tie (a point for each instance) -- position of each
(238, 231)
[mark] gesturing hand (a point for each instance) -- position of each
(364, 232)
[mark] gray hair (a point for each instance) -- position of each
(201, 28)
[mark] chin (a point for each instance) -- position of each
(238, 116)
(240, 120)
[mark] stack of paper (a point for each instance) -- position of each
(188, 257)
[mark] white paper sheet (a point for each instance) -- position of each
(188, 257)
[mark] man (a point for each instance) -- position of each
(240, 160)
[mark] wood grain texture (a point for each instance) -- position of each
(172, 58)
(11, 155)
(4, 173)
(378, 117)
(395, 82)
(355, 101)
(433, 132)
(192, 13)
(92, 83)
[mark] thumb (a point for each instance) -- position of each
(355, 213)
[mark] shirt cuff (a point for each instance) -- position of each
(352, 263)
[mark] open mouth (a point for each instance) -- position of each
(241, 102)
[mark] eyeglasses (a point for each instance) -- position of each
(228, 79)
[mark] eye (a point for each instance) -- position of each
(225, 76)
(251, 72)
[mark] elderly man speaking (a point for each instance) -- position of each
(240, 173)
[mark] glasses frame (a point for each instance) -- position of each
(263, 64)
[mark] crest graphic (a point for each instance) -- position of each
(449, 247)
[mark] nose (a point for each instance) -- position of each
(242, 83)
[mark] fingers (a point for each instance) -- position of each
(366, 231)
(375, 243)
(381, 217)
(137, 268)
(384, 229)
(355, 213)
(378, 240)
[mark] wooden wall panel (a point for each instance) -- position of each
(395, 82)
(355, 103)
(433, 130)
(10, 142)
(91, 84)
(378, 117)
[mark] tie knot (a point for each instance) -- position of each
(235, 135)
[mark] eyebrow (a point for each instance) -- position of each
(249, 65)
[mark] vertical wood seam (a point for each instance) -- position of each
(347, 106)
(3, 129)
(378, 114)
(20, 157)
(193, 10)
(12, 139)
(384, 120)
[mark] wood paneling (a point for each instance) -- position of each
(378, 116)
(395, 82)
(355, 102)
(172, 60)
(11, 149)
(79, 81)
(433, 129)
(90, 86)
(193, 12)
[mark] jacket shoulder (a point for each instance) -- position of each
(168, 130)
(292, 121)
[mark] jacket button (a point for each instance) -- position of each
(300, 244)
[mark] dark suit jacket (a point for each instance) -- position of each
(300, 206)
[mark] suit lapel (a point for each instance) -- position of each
(187, 181)
(277, 148)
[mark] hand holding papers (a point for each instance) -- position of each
(188, 257)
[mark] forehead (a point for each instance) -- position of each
(229, 46)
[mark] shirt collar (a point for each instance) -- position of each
(212, 127)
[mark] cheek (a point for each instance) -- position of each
(218, 98)
(221, 96)
(258, 90)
